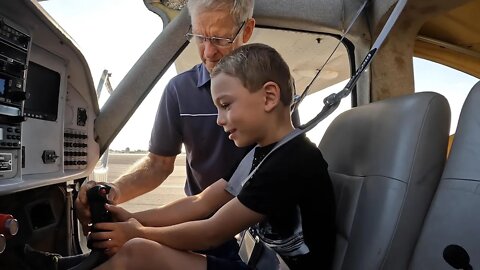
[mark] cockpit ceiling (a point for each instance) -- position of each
(305, 54)
(453, 38)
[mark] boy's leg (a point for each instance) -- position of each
(145, 254)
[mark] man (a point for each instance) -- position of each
(186, 113)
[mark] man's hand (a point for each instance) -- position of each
(81, 203)
(114, 235)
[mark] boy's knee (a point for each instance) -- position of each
(136, 246)
(134, 250)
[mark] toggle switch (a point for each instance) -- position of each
(3, 243)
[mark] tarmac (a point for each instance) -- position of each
(169, 191)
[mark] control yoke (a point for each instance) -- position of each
(97, 198)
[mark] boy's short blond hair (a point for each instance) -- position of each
(256, 64)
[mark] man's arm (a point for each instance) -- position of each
(144, 176)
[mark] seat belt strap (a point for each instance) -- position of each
(242, 173)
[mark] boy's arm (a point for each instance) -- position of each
(187, 209)
(229, 220)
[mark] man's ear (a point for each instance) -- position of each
(248, 29)
(272, 95)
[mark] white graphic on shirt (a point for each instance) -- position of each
(292, 245)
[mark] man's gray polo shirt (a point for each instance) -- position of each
(186, 114)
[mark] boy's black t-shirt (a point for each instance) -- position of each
(293, 190)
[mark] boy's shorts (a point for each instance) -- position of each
(225, 257)
(216, 263)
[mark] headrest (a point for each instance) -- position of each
(365, 137)
(465, 153)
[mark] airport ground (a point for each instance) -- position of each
(170, 190)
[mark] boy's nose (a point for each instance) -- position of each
(220, 120)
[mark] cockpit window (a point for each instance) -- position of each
(305, 53)
(451, 83)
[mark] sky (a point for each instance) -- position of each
(453, 84)
(112, 35)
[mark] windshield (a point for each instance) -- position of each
(113, 38)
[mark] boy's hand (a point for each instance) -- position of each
(118, 213)
(115, 235)
(82, 207)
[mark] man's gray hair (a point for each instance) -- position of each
(240, 9)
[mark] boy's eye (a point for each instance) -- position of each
(224, 105)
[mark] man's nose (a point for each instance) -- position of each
(209, 49)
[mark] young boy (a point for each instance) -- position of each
(289, 200)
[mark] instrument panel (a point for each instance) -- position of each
(47, 102)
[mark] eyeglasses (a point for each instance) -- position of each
(215, 41)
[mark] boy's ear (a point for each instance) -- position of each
(272, 95)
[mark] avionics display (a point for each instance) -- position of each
(43, 87)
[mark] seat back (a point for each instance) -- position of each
(385, 160)
(454, 216)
